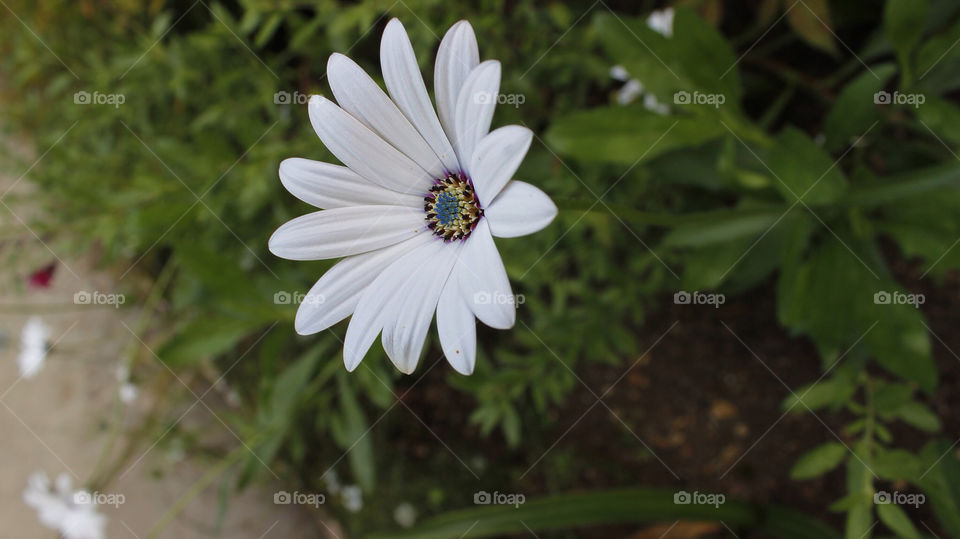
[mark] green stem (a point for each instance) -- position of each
(196, 488)
(156, 294)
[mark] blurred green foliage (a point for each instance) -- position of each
(182, 177)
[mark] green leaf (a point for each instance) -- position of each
(900, 342)
(907, 185)
(942, 117)
(354, 436)
(897, 465)
(646, 55)
(818, 461)
(940, 481)
(697, 58)
(832, 392)
(747, 225)
(936, 61)
(633, 505)
(205, 338)
(705, 56)
(854, 112)
(804, 170)
(277, 411)
(904, 21)
(895, 519)
(888, 397)
(626, 135)
(919, 416)
(811, 20)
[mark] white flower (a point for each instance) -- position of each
(405, 514)
(661, 21)
(33, 347)
(69, 512)
(128, 393)
(619, 73)
(650, 103)
(352, 497)
(629, 91)
(403, 259)
(333, 481)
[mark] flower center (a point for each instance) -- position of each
(452, 208)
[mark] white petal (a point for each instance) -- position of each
(475, 104)
(483, 280)
(359, 95)
(402, 75)
(457, 328)
(326, 185)
(404, 336)
(336, 295)
(364, 151)
(496, 159)
(345, 231)
(520, 209)
(456, 58)
(379, 303)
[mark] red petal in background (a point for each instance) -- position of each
(41, 278)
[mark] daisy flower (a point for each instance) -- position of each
(414, 212)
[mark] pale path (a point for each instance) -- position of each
(57, 421)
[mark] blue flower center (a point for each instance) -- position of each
(452, 208)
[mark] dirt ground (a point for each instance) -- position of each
(698, 411)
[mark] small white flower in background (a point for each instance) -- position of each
(661, 21)
(352, 497)
(70, 512)
(122, 372)
(128, 393)
(629, 91)
(415, 210)
(632, 89)
(405, 515)
(33, 347)
(332, 481)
